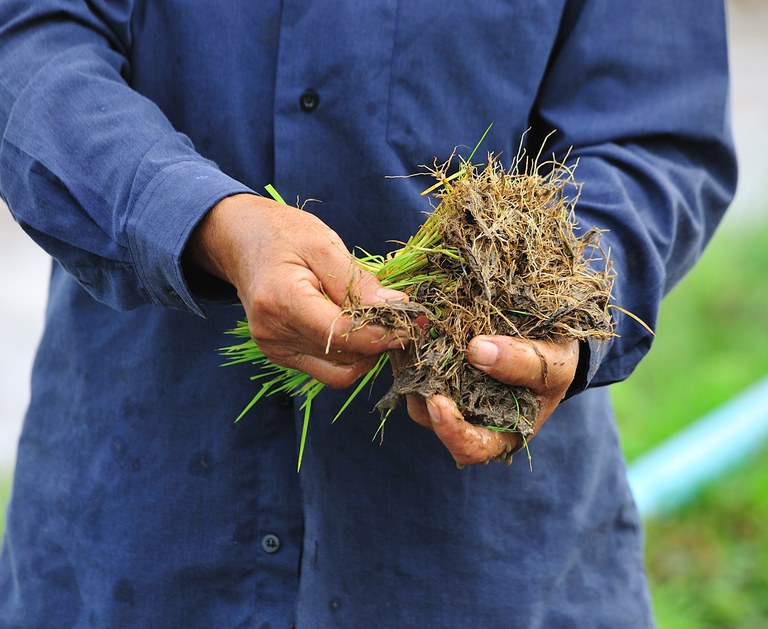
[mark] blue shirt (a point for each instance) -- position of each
(137, 502)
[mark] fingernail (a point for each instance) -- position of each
(389, 294)
(399, 342)
(434, 413)
(483, 354)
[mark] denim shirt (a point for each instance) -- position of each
(137, 501)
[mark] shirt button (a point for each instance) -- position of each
(270, 543)
(309, 101)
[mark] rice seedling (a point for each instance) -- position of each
(498, 254)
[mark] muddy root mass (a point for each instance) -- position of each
(507, 261)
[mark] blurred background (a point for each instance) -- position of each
(708, 557)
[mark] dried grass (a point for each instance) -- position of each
(504, 259)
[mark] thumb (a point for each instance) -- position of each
(346, 281)
(370, 291)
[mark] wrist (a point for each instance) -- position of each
(213, 245)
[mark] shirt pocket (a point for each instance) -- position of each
(459, 67)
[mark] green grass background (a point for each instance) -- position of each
(712, 341)
(5, 493)
(707, 562)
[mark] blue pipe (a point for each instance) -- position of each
(673, 472)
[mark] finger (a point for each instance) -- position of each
(333, 332)
(329, 373)
(342, 278)
(417, 409)
(283, 352)
(466, 443)
(538, 365)
(339, 277)
(312, 324)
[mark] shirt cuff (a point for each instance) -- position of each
(163, 218)
(591, 353)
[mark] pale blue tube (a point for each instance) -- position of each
(673, 472)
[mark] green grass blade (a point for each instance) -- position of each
(368, 377)
(477, 146)
(307, 406)
(274, 194)
(250, 404)
(380, 429)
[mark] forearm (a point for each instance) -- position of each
(91, 169)
(643, 107)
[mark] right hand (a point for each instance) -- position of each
(292, 272)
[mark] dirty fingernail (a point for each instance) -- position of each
(483, 354)
(389, 294)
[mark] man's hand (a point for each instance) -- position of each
(291, 272)
(511, 361)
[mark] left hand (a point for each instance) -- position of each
(548, 372)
